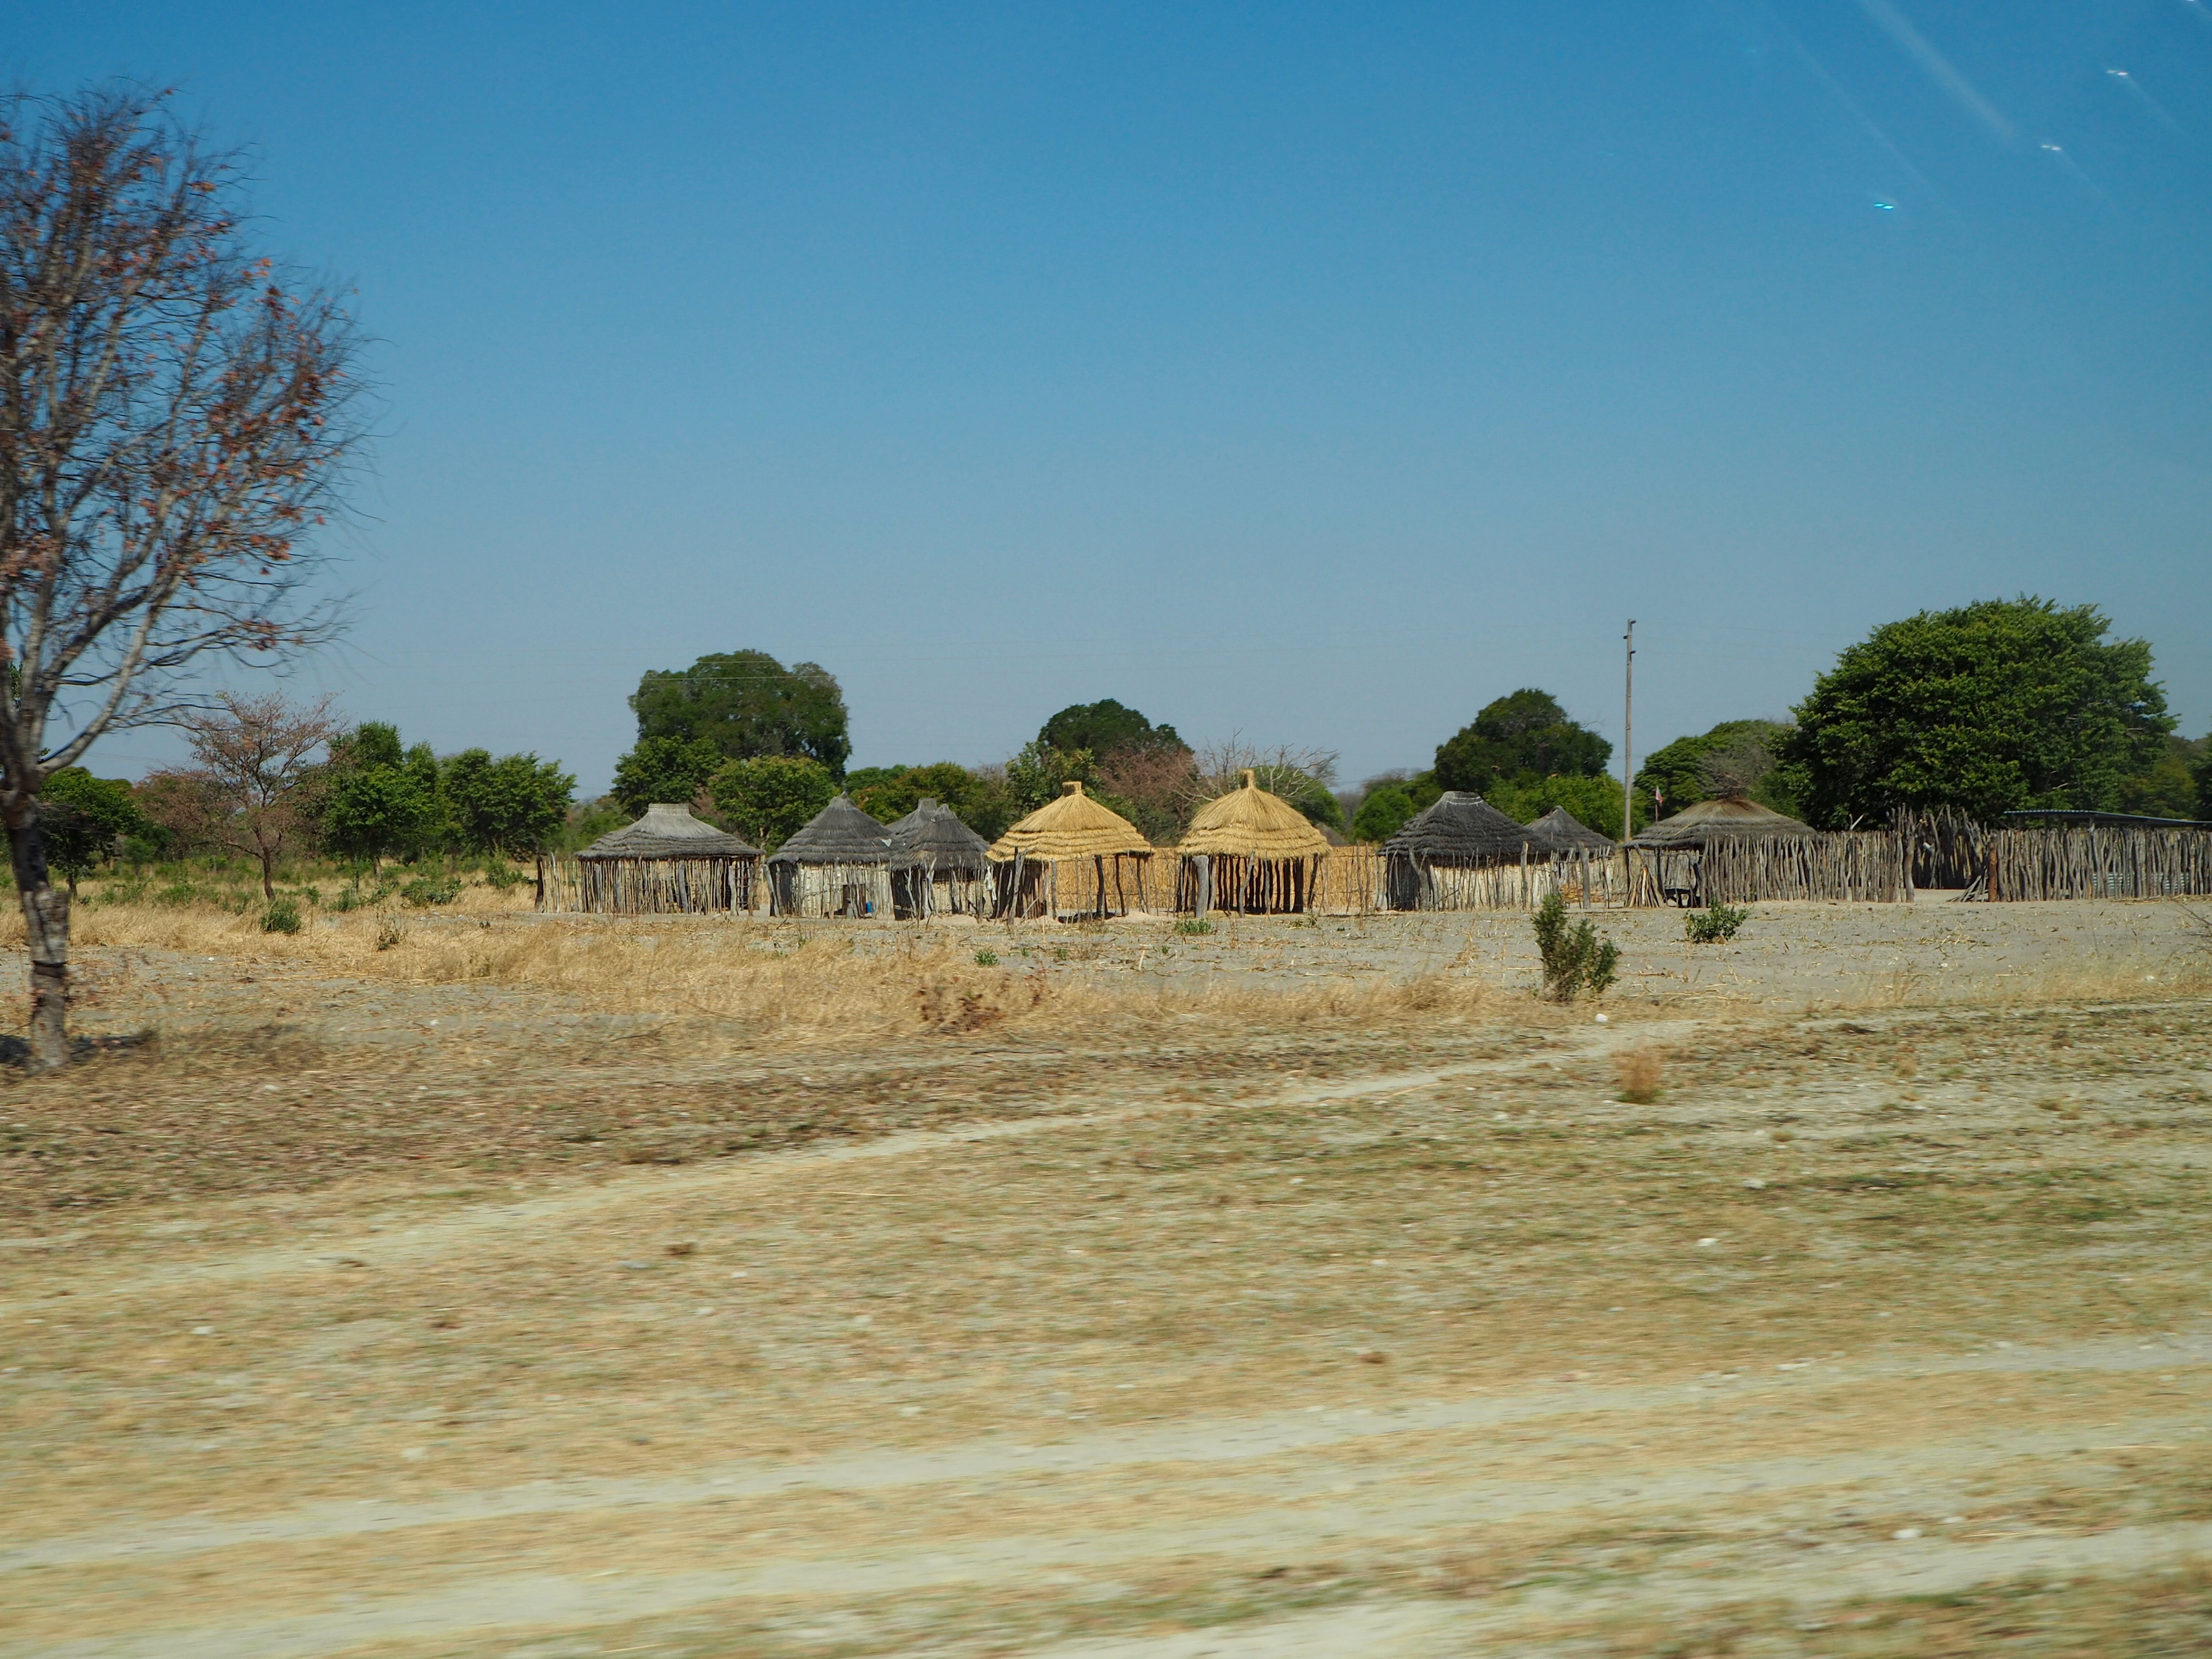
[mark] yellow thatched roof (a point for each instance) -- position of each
(1074, 826)
(1249, 823)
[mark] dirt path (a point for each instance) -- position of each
(1443, 1344)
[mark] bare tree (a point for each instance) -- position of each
(257, 762)
(174, 419)
(1300, 776)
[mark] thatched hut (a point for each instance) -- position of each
(1731, 816)
(1559, 831)
(667, 861)
(839, 865)
(1248, 851)
(1439, 860)
(1072, 857)
(1673, 851)
(938, 863)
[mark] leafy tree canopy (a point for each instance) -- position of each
(1713, 764)
(1525, 735)
(946, 782)
(665, 769)
(1989, 708)
(768, 798)
(516, 803)
(1105, 728)
(1595, 801)
(745, 704)
(1383, 813)
(379, 798)
(83, 818)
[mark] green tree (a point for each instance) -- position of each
(673, 769)
(1040, 773)
(512, 805)
(2203, 773)
(769, 799)
(1524, 735)
(1105, 728)
(1992, 708)
(860, 780)
(379, 799)
(946, 782)
(1595, 801)
(746, 704)
(2168, 789)
(83, 817)
(1700, 768)
(1383, 813)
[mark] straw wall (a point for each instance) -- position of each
(2096, 862)
(917, 894)
(644, 886)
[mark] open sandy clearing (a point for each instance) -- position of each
(1877, 1330)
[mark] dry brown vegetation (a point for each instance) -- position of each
(609, 1313)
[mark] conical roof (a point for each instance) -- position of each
(841, 833)
(1730, 817)
(668, 831)
(1250, 823)
(1560, 831)
(1461, 828)
(1074, 826)
(932, 836)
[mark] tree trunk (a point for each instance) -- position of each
(46, 926)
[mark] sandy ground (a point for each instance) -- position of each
(367, 1318)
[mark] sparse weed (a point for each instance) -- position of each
(282, 916)
(1716, 924)
(1194, 925)
(987, 958)
(1576, 959)
(389, 932)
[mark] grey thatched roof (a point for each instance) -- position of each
(668, 831)
(841, 833)
(1461, 828)
(1560, 831)
(932, 836)
(1729, 819)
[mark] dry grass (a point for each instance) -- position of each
(1640, 1071)
(772, 980)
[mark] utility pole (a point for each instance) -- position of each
(1628, 740)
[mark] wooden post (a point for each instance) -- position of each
(1628, 740)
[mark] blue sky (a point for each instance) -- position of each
(1317, 373)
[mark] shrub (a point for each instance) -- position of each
(389, 933)
(503, 876)
(1713, 925)
(282, 916)
(1575, 960)
(1639, 1072)
(987, 958)
(426, 890)
(1194, 925)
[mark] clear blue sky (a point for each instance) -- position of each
(1317, 372)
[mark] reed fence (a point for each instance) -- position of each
(1111, 885)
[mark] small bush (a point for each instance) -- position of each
(1194, 925)
(1575, 960)
(426, 890)
(503, 876)
(1639, 1071)
(389, 933)
(349, 899)
(1713, 925)
(282, 916)
(987, 958)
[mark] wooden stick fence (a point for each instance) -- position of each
(830, 889)
(644, 886)
(1110, 884)
(2103, 861)
(1864, 866)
